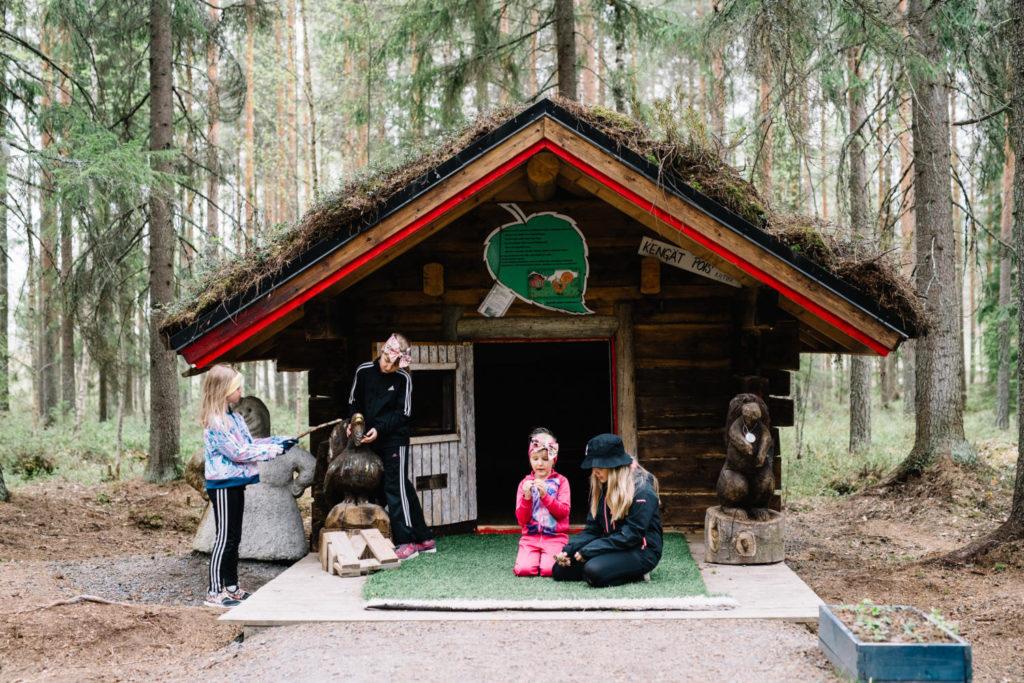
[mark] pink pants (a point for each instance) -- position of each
(537, 554)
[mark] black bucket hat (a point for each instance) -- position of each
(607, 451)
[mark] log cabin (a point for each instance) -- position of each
(554, 265)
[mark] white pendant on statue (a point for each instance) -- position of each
(750, 437)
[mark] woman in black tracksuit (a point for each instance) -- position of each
(382, 393)
(622, 538)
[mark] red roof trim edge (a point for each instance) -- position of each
(201, 355)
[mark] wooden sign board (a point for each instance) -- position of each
(681, 258)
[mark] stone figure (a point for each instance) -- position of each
(272, 524)
(257, 419)
(746, 483)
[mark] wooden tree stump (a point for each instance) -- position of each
(350, 516)
(732, 538)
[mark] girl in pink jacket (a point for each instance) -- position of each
(542, 508)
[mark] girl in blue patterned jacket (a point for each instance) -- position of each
(231, 457)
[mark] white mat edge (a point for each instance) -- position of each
(690, 603)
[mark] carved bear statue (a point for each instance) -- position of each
(746, 483)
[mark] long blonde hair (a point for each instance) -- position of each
(216, 387)
(620, 488)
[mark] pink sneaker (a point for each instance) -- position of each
(428, 546)
(406, 551)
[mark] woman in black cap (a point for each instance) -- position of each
(622, 539)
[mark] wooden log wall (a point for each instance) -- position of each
(696, 342)
(693, 355)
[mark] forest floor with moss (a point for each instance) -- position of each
(129, 542)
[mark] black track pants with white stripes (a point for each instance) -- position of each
(228, 506)
(404, 510)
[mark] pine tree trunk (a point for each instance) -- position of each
(5, 387)
(860, 228)
(717, 104)
(213, 137)
(47, 370)
(33, 309)
(765, 148)
(126, 353)
(1013, 527)
(1016, 519)
(954, 189)
(823, 159)
(939, 434)
(588, 73)
(531, 61)
(250, 125)
(972, 295)
(619, 77)
(164, 411)
(565, 39)
(104, 393)
(279, 397)
(291, 172)
(307, 85)
(67, 328)
(907, 242)
(1005, 266)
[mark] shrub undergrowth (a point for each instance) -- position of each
(30, 453)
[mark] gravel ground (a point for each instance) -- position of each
(156, 579)
(697, 650)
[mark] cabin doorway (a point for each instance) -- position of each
(564, 386)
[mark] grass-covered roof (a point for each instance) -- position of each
(686, 155)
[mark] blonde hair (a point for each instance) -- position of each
(620, 488)
(216, 387)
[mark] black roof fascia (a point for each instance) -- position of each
(663, 177)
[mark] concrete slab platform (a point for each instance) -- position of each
(304, 593)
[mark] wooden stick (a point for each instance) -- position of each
(77, 600)
(319, 427)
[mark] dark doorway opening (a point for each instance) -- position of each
(564, 386)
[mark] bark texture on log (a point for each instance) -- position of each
(733, 538)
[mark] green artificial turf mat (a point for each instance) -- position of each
(479, 567)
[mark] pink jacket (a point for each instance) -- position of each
(548, 514)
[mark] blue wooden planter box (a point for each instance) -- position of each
(892, 661)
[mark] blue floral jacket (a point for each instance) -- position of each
(231, 453)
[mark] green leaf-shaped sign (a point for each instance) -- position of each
(542, 258)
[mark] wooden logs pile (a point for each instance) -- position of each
(731, 537)
(355, 553)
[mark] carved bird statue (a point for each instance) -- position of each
(354, 472)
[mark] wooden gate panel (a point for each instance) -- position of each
(454, 455)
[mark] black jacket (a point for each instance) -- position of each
(385, 400)
(639, 530)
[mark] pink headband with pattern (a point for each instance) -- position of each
(543, 442)
(392, 350)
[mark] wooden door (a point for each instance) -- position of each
(443, 446)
